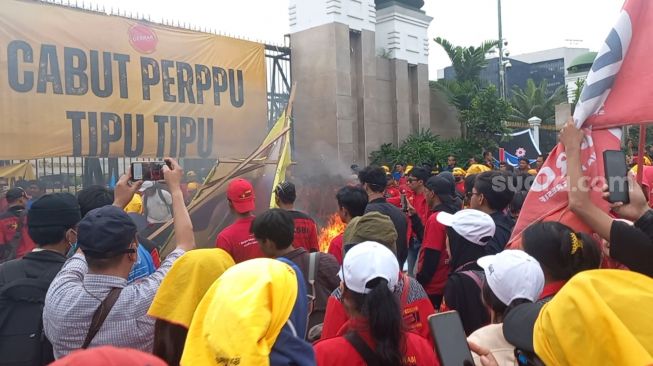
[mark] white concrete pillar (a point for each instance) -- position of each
(535, 123)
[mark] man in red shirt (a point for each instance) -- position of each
(351, 203)
(433, 260)
(416, 180)
(305, 227)
(236, 239)
(12, 244)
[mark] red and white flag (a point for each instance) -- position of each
(618, 91)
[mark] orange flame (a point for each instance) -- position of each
(334, 227)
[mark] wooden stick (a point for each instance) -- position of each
(640, 152)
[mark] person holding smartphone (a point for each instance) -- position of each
(630, 245)
(373, 335)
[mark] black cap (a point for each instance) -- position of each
(139, 220)
(15, 193)
(518, 325)
(106, 232)
(54, 209)
(441, 186)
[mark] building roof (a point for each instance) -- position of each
(582, 63)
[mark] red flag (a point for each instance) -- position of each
(618, 91)
(619, 87)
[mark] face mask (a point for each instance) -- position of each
(73, 249)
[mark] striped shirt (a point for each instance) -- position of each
(74, 296)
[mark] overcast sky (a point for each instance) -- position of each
(528, 25)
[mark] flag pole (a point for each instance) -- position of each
(640, 153)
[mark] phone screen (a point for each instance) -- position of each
(450, 339)
(147, 170)
(616, 173)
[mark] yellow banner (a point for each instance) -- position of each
(76, 83)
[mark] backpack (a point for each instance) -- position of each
(317, 308)
(463, 293)
(22, 338)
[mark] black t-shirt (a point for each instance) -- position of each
(462, 250)
(463, 294)
(504, 225)
(398, 219)
(633, 246)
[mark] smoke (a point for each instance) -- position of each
(318, 174)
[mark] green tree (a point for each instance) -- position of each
(535, 101)
(485, 119)
(580, 84)
(423, 147)
(467, 62)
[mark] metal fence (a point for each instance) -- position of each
(70, 174)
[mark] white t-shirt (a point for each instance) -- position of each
(491, 337)
(159, 211)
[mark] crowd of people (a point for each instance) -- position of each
(80, 283)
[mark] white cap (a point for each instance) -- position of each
(367, 261)
(513, 274)
(147, 184)
(474, 225)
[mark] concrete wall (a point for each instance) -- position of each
(444, 116)
(349, 100)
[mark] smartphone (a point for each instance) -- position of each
(147, 170)
(450, 339)
(404, 202)
(616, 175)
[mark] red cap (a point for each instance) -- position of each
(241, 194)
(109, 356)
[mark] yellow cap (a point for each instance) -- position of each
(408, 169)
(477, 169)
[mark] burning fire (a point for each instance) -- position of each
(334, 227)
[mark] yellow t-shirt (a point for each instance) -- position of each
(135, 205)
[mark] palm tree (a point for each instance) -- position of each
(535, 101)
(467, 62)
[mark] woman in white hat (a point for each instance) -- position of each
(373, 335)
(512, 277)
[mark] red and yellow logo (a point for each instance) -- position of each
(142, 38)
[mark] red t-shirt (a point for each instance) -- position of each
(238, 242)
(338, 351)
(305, 232)
(415, 306)
(551, 289)
(9, 225)
(460, 187)
(392, 192)
(418, 200)
(435, 237)
(335, 248)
